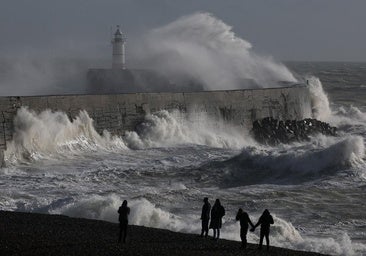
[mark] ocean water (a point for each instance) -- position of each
(315, 189)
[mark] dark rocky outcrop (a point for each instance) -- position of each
(273, 131)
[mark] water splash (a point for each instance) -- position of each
(165, 128)
(319, 100)
(53, 134)
(202, 48)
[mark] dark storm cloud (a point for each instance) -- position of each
(286, 29)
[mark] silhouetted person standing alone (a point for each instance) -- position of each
(123, 211)
(217, 212)
(265, 221)
(205, 216)
(244, 219)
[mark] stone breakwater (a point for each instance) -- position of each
(118, 113)
(273, 131)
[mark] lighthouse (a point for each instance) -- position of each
(119, 79)
(118, 52)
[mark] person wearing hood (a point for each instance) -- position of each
(265, 221)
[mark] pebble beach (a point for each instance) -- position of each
(43, 234)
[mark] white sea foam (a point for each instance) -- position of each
(93, 207)
(351, 117)
(284, 234)
(319, 99)
(165, 128)
(344, 115)
(53, 133)
(143, 213)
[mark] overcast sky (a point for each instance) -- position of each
(285, 29)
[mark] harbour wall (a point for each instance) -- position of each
(118, 113)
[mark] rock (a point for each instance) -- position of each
(271, 131)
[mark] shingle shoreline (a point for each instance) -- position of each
(43, 234)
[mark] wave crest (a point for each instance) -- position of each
(295, 165)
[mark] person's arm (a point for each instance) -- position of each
(258, 223)
(271, 219)
(249, 221)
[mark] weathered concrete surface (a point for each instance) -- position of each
(118, 113)
(101, 81)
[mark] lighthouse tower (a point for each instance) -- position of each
(118, 53)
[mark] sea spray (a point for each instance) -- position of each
(43, 72)
(165, 128)
(319, 100)
(283, 233)
(53, 133)
(322, 110)
(202, 48)
(143, 212)
(353, 114)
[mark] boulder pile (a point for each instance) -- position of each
(271, 131)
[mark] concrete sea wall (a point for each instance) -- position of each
(118, 113)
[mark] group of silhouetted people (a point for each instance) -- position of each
(218, 211)
(214, 214)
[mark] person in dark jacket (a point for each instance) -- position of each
(244, 219)
(265, 221)
(123, 211)
(205, 216)
(217, 212)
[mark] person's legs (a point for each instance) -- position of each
(218, 233)
(214, 233)
(243, 236)
(261, 240)
(204, 228)
(122, 229)
(267, 240)
(120, 233)
(125, 233)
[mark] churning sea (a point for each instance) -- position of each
(316, 190)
